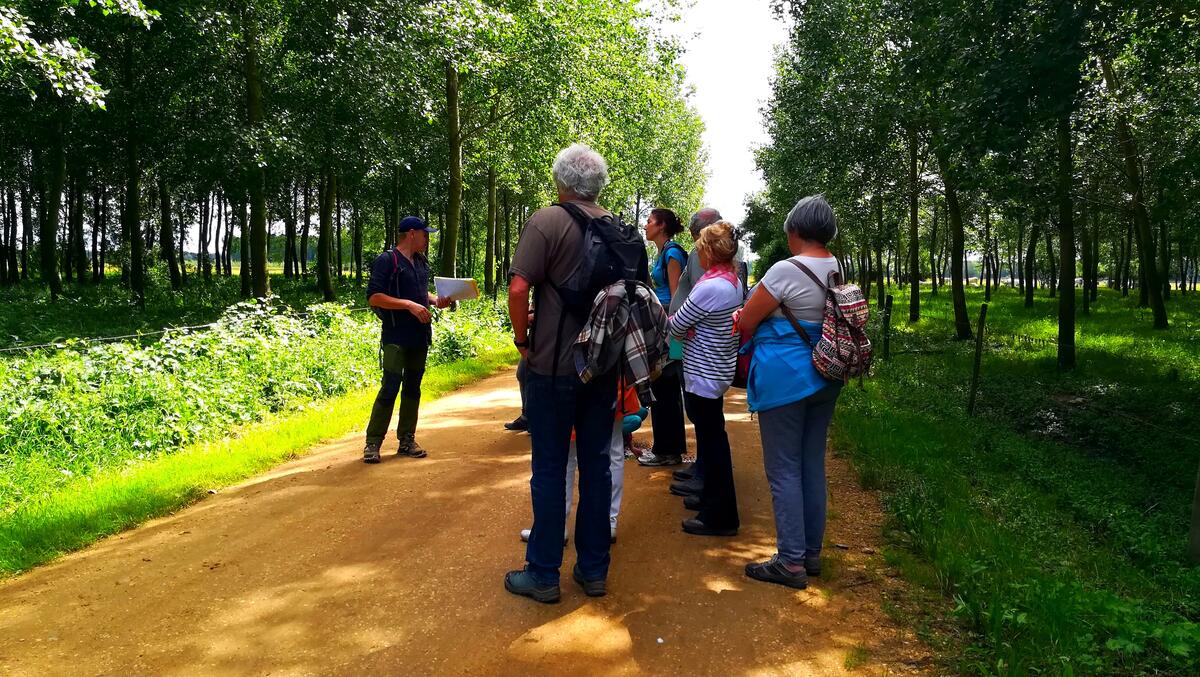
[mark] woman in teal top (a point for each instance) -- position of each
(669, 441)
(794, 403)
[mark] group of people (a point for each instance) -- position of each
(581, 420)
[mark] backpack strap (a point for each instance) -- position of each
(577, 214)
(787, 312)
(808, 271)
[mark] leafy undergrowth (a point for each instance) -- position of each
(1057, 517)
(75, 411)
(85, 510)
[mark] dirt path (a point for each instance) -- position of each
(327, 566)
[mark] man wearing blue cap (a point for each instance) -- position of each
(398, 292)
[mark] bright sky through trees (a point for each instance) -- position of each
(729, 60)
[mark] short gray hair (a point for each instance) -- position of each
(812, 219)
(581, 170)
(702, 218)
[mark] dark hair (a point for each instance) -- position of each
(670, 222)
(812, 219)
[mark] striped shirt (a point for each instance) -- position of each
(710, 356)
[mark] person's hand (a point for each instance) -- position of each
(444, 302)
(737, 317)
(419, 311)
(524, 351)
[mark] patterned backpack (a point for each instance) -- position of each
(843, 351)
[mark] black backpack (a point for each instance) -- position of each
(611, 251)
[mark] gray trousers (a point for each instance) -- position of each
(794, 437)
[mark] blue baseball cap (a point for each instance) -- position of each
(414, 223)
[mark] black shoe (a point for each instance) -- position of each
(409, 447)
(520, 582)
(371, 453)
(812, 566)
(685, 474)
(698, 528)
(689, 488)
(653, 460)
(596, 588)
(692, 502)
(773, 571)
(519, 424)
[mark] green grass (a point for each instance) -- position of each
(78, 514)
(1056, 519)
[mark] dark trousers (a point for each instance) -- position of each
(556, 406)
(522, 373)
(402, 374)
(718, 500)
(667, 412)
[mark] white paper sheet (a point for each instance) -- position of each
(456, 288)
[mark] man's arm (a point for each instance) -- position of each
(381, 300)
(518, 312)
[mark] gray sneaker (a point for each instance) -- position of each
(409, 447)
(371, 453)
(653, 460)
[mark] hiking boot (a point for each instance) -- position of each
(371, 453)
(691, 487)
(521, 582)
(774, 571)
(519, 424)
(812, 565)
(653, 460)
(409, 447)
(697, 528)
(525, 536)
(597, 588)
(692, 502)
(685, 474)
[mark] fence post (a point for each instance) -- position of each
(887, 328)
(978, 359)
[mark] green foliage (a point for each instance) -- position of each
(86, 408)
(1056, 519)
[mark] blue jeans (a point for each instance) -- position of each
(794, 437)
(558, 405)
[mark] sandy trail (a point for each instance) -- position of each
(328, 566)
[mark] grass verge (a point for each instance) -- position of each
(112, 501)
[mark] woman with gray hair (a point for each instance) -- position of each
(793, 402)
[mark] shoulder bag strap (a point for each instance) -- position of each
(796, 324)
(808, 271)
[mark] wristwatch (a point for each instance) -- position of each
(521, 344)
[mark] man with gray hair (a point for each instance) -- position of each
(693, 272)
(557, 400)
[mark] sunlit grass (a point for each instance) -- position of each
(111, 501)
(1056, 519)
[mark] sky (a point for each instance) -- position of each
(729, 60)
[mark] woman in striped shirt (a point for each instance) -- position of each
(705, 324)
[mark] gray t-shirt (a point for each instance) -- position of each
(692, 273)
(795, 289)
(550, 246)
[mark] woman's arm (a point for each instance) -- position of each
(760, 305)
(689, 315)
(674, 270)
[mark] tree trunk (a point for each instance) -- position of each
(1030, 264)
(987, 252)
(507, 235)
(934, 273)
(1141, 219)
(247, 287)
(914, 246)
(356, 220)
(338, 229)
(1053, 264)
(289, 233)
(489, 260)
(326, 198)
(1164, 258)
(1085, 245)
(166, 236)
(80, 254)
(26, 225)
(962, 323)
(454, 194)
(56, 177)
(1066, 245)
(258, 199)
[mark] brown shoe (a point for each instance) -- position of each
(409, 447)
